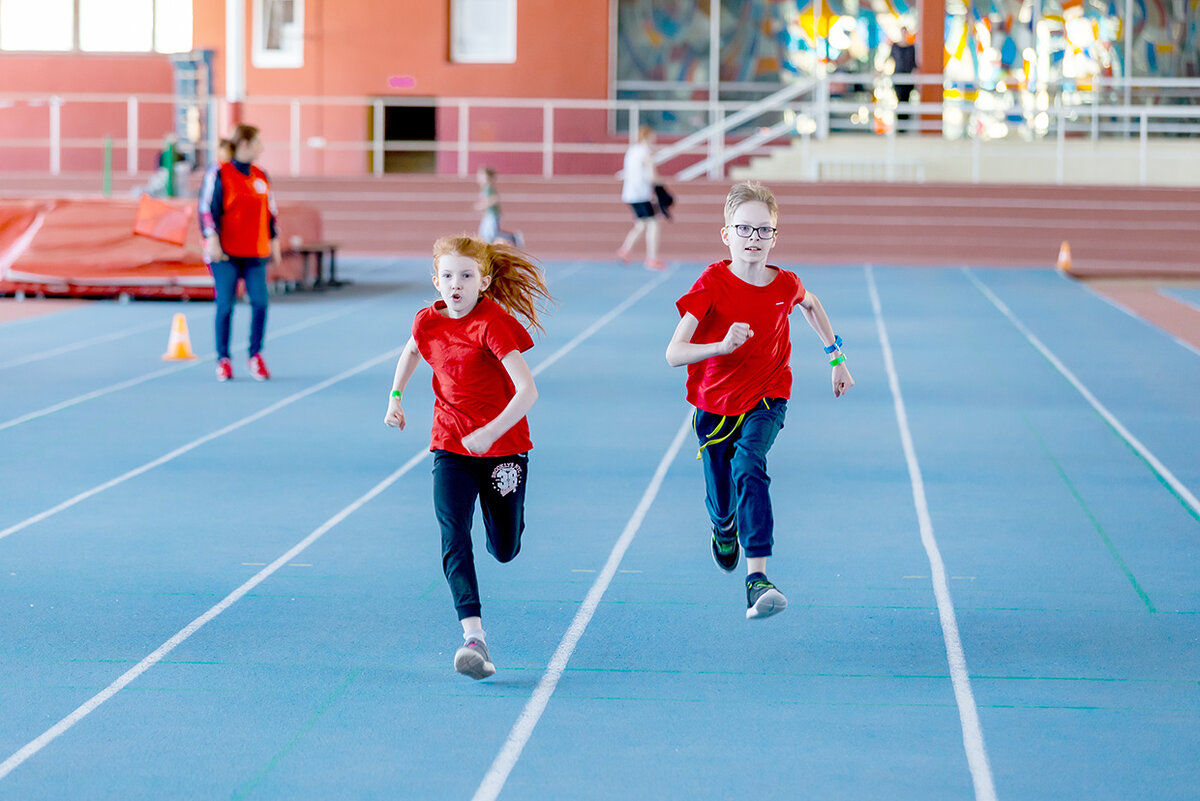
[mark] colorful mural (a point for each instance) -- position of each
(1008, 59)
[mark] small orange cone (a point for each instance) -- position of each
(1064, 257)
(179, 346)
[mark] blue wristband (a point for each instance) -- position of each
(837, 343)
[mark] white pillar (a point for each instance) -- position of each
(131, 135)
(717, 139)
(235, 50)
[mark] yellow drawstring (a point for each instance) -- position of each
(712, 441)
(720, 425)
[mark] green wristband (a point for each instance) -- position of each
(841, 357)
(397, 393)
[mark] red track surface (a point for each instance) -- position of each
(1113, 231)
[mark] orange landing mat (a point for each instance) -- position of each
(86, 248)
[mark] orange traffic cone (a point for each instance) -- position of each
(1064, 257)
(179, 346)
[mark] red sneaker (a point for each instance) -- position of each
(655, 264)
(258, 368)
(224, 369)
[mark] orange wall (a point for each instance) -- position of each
(83, 124)
(352, 47)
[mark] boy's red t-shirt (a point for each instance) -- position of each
(470, 384)
(761, 368)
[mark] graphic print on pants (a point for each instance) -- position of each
(506, 477)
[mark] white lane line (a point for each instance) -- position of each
(196, 443)
(1164, 475)
(44, 739)
(203, 358)
(510, 752)
(1131, 313)
(960, 678)
(606, 319)
(48, 354)
(1179, 298)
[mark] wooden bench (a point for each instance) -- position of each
(315, 253)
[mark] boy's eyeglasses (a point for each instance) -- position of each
(744, 231)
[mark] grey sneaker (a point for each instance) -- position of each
(725, 550)
(763, 599)
(472, 660)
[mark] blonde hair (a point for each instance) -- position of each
(517, 282)
(750, 192)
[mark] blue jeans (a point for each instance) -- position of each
(499, 484)
(225, 278)
(735, 471)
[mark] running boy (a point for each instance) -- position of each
(483, 389)
(734, 337)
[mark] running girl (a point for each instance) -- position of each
(483, 390)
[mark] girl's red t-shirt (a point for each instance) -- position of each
(761, 368)
(470, 384)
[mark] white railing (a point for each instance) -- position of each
(555, 141)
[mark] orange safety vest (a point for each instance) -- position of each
(245, 212)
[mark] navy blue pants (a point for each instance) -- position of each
(735, 471)
(225, 278)
(499, 484)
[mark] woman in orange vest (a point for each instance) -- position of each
(237, 218)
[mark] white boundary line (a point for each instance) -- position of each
(960, 678)
(510, 752)
(603, 321)
(46, 354)
(1131, 313)
(44, 739)
(40, 742)
(1183, 493)
(196, 443)
(200, 359)
(1189, 303)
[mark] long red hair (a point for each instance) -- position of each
(517, 284)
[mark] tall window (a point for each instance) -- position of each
(278, 33)
(37, 24)
(172, 26)
(483, 31)
(103, 26)
(116, 26)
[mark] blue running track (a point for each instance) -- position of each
(991, 550)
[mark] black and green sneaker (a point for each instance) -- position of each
(762, 597)
(725, 549)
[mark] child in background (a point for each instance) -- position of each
(489, 204)
(483, 389)
(637, 190)
(734, 337)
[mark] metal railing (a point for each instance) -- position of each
(557, 142)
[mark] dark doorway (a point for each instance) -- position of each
(403, 124)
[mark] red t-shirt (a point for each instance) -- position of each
(761, 368)
(470, 384)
